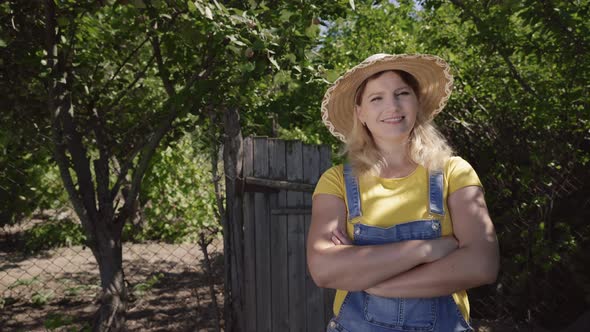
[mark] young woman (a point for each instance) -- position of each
(402, 229)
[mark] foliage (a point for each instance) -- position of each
(52, 234)
(41, 297)
(519, 111)
(179, 198)
(24, 157)
(141, 288)
(61, 322)
(24, 282)
(118, 77)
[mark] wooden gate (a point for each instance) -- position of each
(278, 292)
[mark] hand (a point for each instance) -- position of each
(441, 247)
(339, 237)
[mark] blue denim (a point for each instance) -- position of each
(361, 311)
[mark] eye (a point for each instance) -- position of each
(403, 93)
(375, 99)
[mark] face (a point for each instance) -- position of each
(389, 108)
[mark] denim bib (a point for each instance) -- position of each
(361, 311)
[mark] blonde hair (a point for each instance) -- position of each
(426, 145)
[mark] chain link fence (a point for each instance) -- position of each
(544, 280)
(49, 285)
(172, 287)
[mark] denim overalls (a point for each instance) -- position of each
(361, 312)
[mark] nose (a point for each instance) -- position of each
(393, 104)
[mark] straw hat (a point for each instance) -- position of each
(432, 73)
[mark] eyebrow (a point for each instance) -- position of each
(380, 92)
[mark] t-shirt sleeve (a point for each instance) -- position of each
(461, 174)
(331, 182)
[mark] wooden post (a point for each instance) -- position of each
(232, 223)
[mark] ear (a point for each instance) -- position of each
(359, 114)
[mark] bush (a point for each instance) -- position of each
(178, 196)
(52, 234)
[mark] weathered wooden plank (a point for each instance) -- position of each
(325, 163)
(296, 241)
(314, 294)
(262, 227)
(278, 241)
(290, 211)
(325, 159)
(249, 244)
(277, 184)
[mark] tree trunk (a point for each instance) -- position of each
(113, 299)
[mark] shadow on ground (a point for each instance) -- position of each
(168, 291)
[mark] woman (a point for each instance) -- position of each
(401, 229)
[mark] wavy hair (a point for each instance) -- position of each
(426, 145)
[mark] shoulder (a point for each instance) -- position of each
(459, 173)
(456, 164)
(331, 182)
(334, 170)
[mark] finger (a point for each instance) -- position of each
(336, 240)
(342, 237)
(369, 291)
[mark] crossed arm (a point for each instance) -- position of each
(416, 268)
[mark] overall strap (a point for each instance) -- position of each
(435, 192)
(353, 197)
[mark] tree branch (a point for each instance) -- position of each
(128, 163)
(101, 167)
(143, 163)
(118, 70)
(498, 48)
(77, 151)
(163, 71)
(138, 76)
(214, 167)
(174, 104)
(55, 93)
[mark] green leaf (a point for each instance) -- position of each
(208, 13)
(191, 7)
(274, 62)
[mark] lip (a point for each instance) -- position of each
(394, 119)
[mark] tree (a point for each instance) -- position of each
(24, 156)
(117, 78)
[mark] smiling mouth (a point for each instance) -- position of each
(395, 119)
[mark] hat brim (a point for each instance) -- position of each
(432, 73)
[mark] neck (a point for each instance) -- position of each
(397, 159)
(394, 153)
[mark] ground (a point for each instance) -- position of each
(168, 286)
(55, 290)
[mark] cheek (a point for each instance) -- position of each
(361, 113)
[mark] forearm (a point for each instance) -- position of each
(354, 268)
(463, 269)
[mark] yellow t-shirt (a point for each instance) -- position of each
(388, 202)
